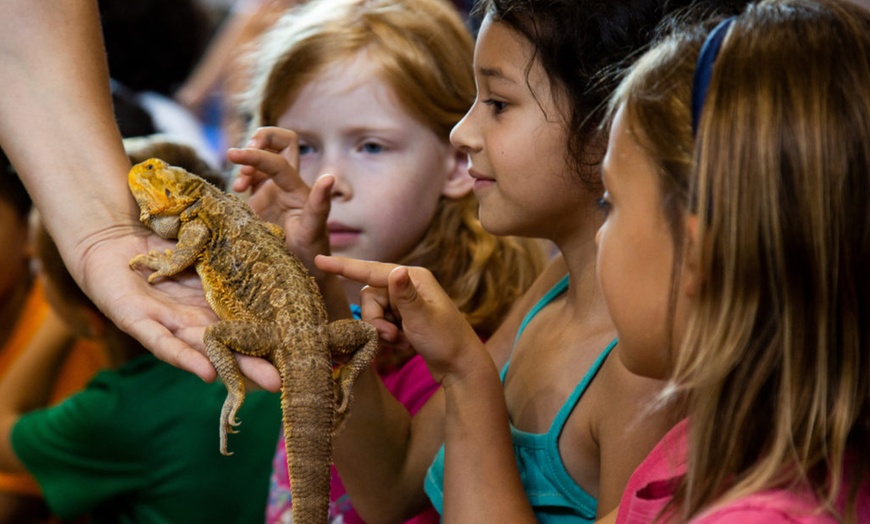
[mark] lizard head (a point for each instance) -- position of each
(163, 192)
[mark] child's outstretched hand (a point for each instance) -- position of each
(270, 168)
(407, 302)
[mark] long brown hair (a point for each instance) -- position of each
(776, 359)
(424, 53)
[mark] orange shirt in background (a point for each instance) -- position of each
(84, 359)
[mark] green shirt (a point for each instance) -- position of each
(140, 445)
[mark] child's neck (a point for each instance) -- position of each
(584, 293)
(13, 302)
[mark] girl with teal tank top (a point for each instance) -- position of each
(555, 496)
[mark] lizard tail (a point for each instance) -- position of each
(308, 414)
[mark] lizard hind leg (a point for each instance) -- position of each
(221, 341)
(360, 340)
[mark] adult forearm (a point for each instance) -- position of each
(58, 128)
(56, 119)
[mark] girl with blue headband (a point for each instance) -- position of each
(764, 293)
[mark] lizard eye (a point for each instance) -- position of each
(149, 167)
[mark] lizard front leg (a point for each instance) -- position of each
(221, 340)
(192, 238)
(360, 340)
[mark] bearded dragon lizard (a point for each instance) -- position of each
(268, 306)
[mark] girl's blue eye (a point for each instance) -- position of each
(372, 148)
(305, 149)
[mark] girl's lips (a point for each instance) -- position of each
(480, 182)
(341, 235)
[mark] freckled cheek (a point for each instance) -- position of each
(394, 228)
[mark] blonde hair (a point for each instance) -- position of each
(777, 350)
(423, 52)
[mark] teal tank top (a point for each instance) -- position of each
(553, 494)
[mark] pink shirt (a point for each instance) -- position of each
(412, 385)
(653, 482)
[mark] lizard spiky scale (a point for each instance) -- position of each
(269, 307)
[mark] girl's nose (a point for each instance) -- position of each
(342, 188)
(463, 135)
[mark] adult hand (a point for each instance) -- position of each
(169, 316)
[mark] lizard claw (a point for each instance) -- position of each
(229, 421)
(153, 260)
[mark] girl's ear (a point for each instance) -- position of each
(691, 278)
(458, 183)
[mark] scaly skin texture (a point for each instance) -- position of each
(269, 307)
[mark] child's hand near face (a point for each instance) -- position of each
(270, 168)
(406, 304)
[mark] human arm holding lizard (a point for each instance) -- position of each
(59, 130)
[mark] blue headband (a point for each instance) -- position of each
(704, 69)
